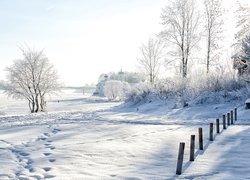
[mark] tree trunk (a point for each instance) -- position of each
(42, 103)
(37, 104)
(184, 70)
(151, 78)
(208, 51)
(33, 107)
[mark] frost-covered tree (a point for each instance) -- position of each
(150, 59)
(243, 24)
(32, 78)
(242, 60)
(213, 30)
(180, 19)
(116, 90)
(246, 49)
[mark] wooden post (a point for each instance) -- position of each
(200, 139)
(232, 117)
(218, 126)
(192, 147)
(224, 121)
(235, 114)
(211, 132)
(180, 158)
(228, 119)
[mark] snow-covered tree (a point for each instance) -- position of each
(150, 59)
(243, 24)
(213, 30)
(116, 90)
(180, 19)
(246, 49)
(99, 91)
(32, 78)
(242, 59)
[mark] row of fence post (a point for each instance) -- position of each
(231, 117)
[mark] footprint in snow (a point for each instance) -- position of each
(55, 130)
(49, 176)
(46, 169)
(46, 134)
(52, 147)
(23, 153)
(29, 161)
(52, 160)
(46, 154)
(30, 168)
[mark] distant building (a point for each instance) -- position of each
(121, 75)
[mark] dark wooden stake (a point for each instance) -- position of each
(200, 139)
(224, 121)
(180, 158)
(192, 147)
(228, 119)
(211, 132)
(232, 117)
(218, 126)
(235, 114)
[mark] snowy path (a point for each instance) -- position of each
(226, 158)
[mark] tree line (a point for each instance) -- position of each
(185, 27)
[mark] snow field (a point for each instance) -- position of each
(92, 151)
(100, 140)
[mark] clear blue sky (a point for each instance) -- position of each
(82, 38)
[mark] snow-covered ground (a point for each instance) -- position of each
(89, 138)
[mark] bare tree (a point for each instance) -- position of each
(151, 56)
(213, 28)
(180, 20)
(32, 78)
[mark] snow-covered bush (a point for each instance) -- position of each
(140, 93)
(215, 89)
(116, 90)
(165, 88)
(196, 90)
